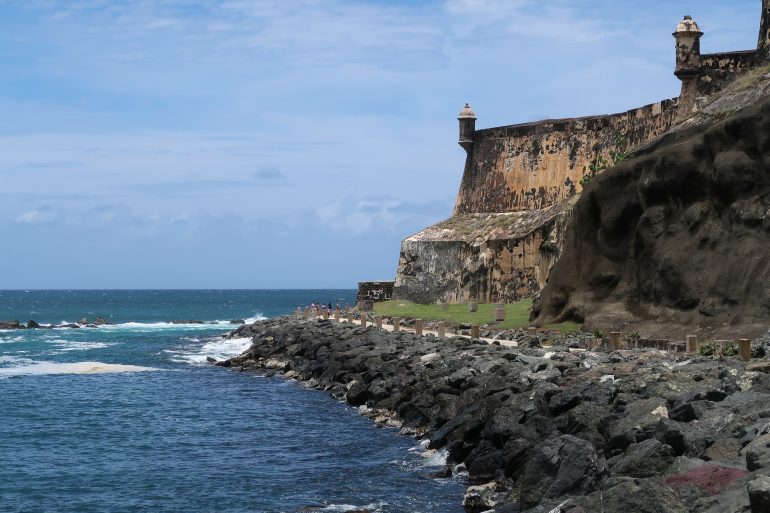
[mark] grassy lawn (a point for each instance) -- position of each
(516, 314)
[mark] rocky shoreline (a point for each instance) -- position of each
(547, 429)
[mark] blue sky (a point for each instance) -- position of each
(287, 144)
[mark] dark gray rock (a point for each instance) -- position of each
(634, 496)
(11, 325)
(561, 466)
(725, 450)
(539, 442)
(646, 459)
(758, 453)
(759, 494)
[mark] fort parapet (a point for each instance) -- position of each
(536, 165)
(520, 181)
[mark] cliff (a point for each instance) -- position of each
(678, 234)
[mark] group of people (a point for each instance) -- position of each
(322, 307)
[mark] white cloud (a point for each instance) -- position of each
(162, 23)
(39, 216)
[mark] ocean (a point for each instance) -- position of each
(129, 417)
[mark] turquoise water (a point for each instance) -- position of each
(130, 418)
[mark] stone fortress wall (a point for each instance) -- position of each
(536, 165)
(533, 171)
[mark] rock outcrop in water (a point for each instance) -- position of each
(548, 430)
(678, 234)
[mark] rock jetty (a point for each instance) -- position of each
(547, 429)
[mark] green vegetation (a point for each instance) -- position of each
(707, 349)
(748, 79)
(714, 349)
(516, 314)
(617, 155)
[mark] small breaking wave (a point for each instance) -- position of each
(152, 326)
(11, 340)
(216, 348)
(77, 345)
(343, 508)
(256, 318)
(435, 458)
(149, 326)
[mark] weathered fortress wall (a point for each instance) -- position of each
(719, 69)
(492, 257)
(520, 182)
(536, 165)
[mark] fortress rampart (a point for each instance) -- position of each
(536, 165)
(536, 171)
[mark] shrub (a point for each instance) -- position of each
(707, 349)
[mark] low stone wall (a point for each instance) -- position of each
(374, 291)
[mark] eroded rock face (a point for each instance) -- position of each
(680, 231)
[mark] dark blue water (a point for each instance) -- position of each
(129, 418)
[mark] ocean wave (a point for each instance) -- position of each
(435, 458)
(257, 317)
(27, 367)
(11, 340)
(78, 345)
(165, 325)
(342, 508)
(150, 326)
(217, 348)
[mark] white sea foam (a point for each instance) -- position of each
(435, 458)
(78, 345)
(151, 326)
(257, 317)
(217, 348)
(342, 508)
(11, 340)
(27, 367)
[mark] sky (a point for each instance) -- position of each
(287, 143)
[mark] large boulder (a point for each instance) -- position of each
(561, 466)
(10, 325)
(758, 453)
(759, 494)
(632, 496)
(646, 459)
